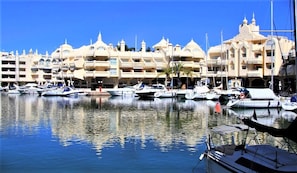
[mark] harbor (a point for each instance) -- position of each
(147, 94)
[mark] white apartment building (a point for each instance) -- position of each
(246, 59)
(250, 58)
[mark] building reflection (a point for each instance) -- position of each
(103, 122)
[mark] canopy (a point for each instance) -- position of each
(261, 93)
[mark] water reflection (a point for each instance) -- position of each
(104, 121)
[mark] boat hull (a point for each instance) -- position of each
(291, 106)
(255, 158)
(121, 92)
(250, 103)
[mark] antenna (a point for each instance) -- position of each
(272, 43)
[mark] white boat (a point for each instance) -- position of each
(30, 88)
(15, 89)
(245, 158)
(256, 98)
(125, 91)
(212, 96)
(165, 94)
(181, 93)
(198, 93)
(290, 104)
(149, 91)
(66, 91)
(121, 91)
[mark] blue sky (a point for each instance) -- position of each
(45, 25)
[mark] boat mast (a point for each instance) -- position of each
(295, 35)
(206, 57)
(272, 43)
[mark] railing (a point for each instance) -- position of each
(255, 73)
(255, 60)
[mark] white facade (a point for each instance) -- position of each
(247, 56)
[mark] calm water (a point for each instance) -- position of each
(102, 134)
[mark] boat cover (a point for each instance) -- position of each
(261, 93)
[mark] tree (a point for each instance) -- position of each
(167, 71)
(177, 69)
(188, 73)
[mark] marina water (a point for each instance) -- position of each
(108, 134)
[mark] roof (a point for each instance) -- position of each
(162, 43)
(194, 49)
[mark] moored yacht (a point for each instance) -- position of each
(149, 91)
(255, 98)
(231, 157)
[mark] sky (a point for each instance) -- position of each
(46, 24)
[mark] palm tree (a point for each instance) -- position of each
(167, 71)
(177, 69)
(188, 73)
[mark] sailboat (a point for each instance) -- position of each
(251, 158)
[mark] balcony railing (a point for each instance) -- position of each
(255, 73)
(90, 64)
(255, 60)
(126, 64)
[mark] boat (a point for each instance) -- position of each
(15, 89)
(212, 96)
(64, 91)
(231, 157)
(149, 91)
(181, 93)
(121, 91)
(125, 91)
(30, 88)
(198, 93)
(256, 98)
(165, 94)
(290, 105)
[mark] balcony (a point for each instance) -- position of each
(126, 74)
(255, 73)
(150, 74)
(126, 64)
(94, 63)
(101, 74)
(211, 61)
(269, 59)
(22, 73)
(138, 65)
(149, 65)
(161, 65)
(89, 73)
(188, 64)
(255, 60)
(222, 62)
(221, 74)
(8, 65)
(210, 74)
(65, 67)
(139, 74)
